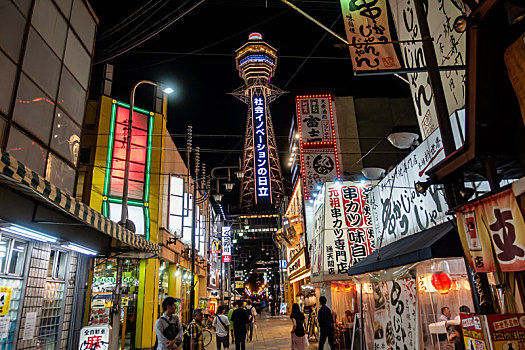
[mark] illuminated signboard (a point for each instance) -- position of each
(226, 244)
(260, 131)
(139, 169)
(319, 158)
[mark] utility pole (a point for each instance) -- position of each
(193, 227)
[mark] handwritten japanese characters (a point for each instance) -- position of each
(260, 130)
(366, 22)
(348, 234)
(450, 51)
(318, 145)
(395, 317)
(398, 210)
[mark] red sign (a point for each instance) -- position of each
(473, 335)
(507, 331)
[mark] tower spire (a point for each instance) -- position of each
(262, 186)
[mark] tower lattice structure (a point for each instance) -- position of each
(262, 185)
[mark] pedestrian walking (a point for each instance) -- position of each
(222, 330)
(299, 339)
(240, 320)
(168, 327)
(230, 312)
(326, 324)
(252, 312)
(193, 338)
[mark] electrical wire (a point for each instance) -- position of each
(153, 34)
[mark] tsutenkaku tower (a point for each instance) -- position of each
(262, 186)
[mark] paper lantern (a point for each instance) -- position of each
(442, 282)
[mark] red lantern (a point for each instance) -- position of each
(442, 282)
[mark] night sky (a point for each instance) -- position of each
(212, 32)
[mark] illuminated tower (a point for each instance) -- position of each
(262, 186)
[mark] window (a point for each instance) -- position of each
(33, 109)
(65, 138)
(72, 97)
(12, 26)
(12, 255)
(65, 6)
(41, 64)
(48, 332)
(77, 59)
(60, 174)
(176, 205)
(48, 21)
(135, 214)
(57, 265)
(7, 82)
(83, 23)
(26, 150)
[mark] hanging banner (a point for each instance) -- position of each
(260, 139)
(493, 224)
(316, 254)
(367, 22)
(450, 50)
(226, 244)
(318, 145)
(473, 331)
(507, 331)
(398, 210)
(395, 314)
(94, 337)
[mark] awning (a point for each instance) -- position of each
(440, 241)
(22, 179)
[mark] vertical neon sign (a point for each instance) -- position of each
(260, 130)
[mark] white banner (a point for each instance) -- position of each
(450, 50)
(395, 314)
(398, 210)
(319, 167)
(94, 337)
(226, 244)
(367, 22)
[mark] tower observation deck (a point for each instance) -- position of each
(262, 186)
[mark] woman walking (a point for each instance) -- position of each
(299, 340)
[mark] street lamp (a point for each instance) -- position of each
(124, 214)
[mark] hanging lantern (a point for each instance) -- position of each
(442, 282)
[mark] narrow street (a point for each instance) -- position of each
(273, 333)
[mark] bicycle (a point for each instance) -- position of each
(207, 337)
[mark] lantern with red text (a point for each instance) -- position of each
(442, 282)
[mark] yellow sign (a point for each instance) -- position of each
(125, 301)
(5, 300)
(239, 284)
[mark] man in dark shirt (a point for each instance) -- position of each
(240, 320)
(326, 324)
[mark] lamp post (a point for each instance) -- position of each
(124, 222)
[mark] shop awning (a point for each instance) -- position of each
(23, 180)
(441, 241)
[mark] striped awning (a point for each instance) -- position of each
(26, 180)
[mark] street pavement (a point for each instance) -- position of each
(273, 333)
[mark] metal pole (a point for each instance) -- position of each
(115, 322)
(193, 227)
(124, 213)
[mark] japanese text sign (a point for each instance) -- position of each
(5, 300)
(319, 158)
(450, 51)
(398, 210)
(493, 224)
(94, 338)
(260, 136)
(507, 331)
(472, 327)
(395, 314)
(226, 244)
(366, 24)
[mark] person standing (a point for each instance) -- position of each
(446, 314)
(252, 312)
(194, 332)
(168, 327)
(221, 325)
(240, 320)
(230, 312)
(299, 340)
(326, 324)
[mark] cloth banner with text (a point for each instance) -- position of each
(366, 25)
(491, 230)
(450, 48)
(395, 314)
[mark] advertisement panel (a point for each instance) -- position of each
(398, 210)
(260, 138)
(507, 331)
(94, 337)
(318, 145)
(395, 314)
(450, 48)
(226, 244)
(366, 23)
(489, 229)
(473, 332)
